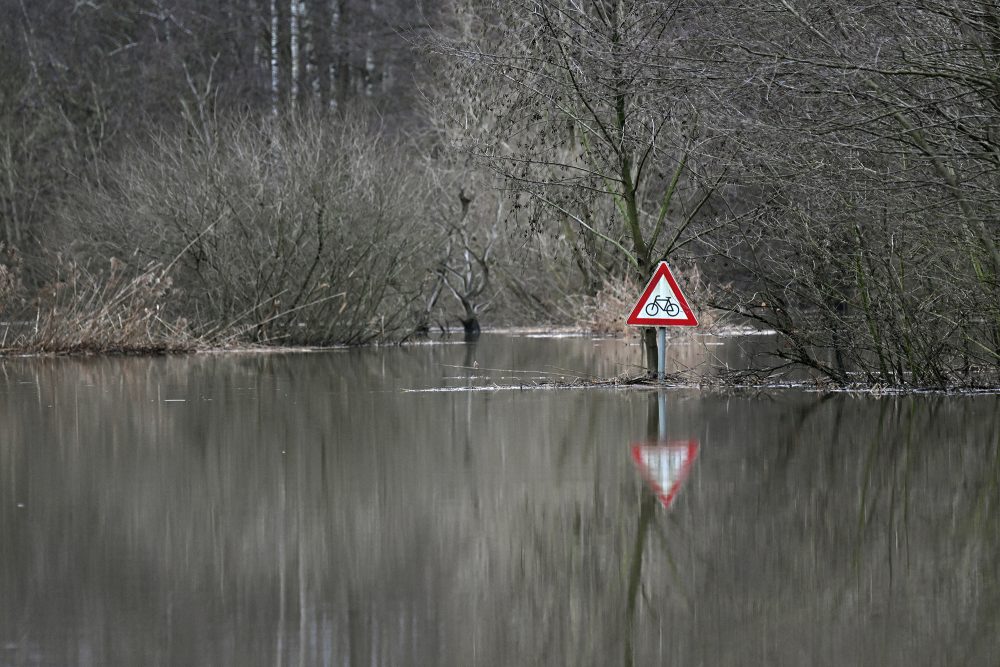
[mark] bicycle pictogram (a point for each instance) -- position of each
(663, 304)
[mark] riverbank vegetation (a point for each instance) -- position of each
(174, 176)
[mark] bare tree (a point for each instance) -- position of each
(873, 247)
(466, 268)
(275, 74)
(593, 119)
(294, 57)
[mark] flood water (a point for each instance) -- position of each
(325, 509)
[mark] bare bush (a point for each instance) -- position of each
(305, 232)
(869, 136)
(10, 279)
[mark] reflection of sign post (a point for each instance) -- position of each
(662, 304)
(665, 466)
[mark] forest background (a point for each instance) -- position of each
(176, 174)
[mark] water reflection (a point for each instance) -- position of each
(664, 464)
(301, 509)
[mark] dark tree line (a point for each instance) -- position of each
(81, 79)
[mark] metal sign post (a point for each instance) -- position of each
(661, 353)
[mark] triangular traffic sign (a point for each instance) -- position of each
(662, 303)
(665, 466)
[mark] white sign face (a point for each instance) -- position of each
(665, 464)
(662, 303)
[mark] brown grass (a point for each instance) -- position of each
(118, 310)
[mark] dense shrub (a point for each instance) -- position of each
(307, 231)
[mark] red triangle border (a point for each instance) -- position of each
(635, 318)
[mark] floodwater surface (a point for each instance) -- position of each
(337, 508)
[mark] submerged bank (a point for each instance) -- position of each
(759, 367)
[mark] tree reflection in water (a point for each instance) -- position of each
(300, 509)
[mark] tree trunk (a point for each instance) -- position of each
(369, 67)
(649, 346)
(309, 47)
(274, 57)
(331, 72)
(338, 71)
(293, 26)
(471, 327)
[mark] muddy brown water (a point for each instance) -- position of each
(329, 509)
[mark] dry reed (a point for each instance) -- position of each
(115, 311)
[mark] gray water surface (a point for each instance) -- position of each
(313, 509)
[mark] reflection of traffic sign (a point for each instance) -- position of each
(665, 466)
(662, 304)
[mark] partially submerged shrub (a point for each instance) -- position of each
(10, 279)
(890, 301)
(118, 310)
(605, 313)
(306, 231)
